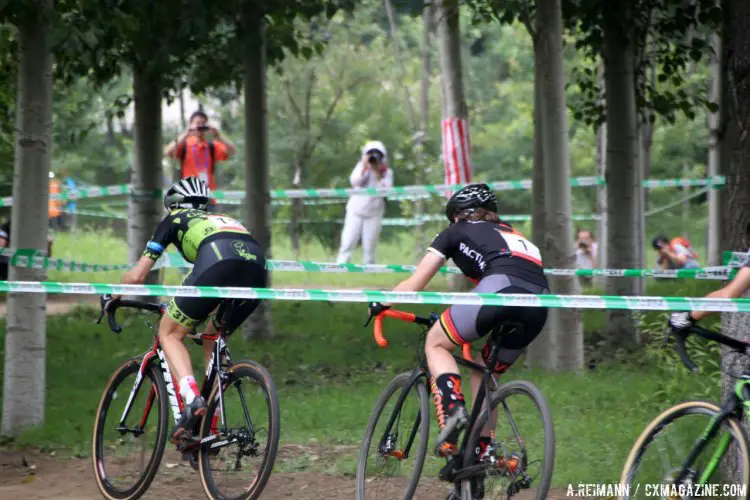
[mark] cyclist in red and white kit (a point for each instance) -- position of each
(498, 259)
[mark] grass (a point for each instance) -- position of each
(102, 245)
(329, 374)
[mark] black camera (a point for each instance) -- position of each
(374, 157)
(582, 245)
(202, 128)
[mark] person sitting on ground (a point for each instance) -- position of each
(498, 259)
(674, 254)
(223, 254)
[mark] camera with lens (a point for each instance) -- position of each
(374, 157)
(202, 128)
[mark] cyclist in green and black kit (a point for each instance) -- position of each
(223, 254)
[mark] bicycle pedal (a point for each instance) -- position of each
(448, 472)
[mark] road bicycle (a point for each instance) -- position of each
(698, 441)
(508, 466)
(130, 429)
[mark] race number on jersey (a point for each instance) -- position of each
(223, 222)
(519, 246)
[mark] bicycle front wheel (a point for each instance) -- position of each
(395, 444)
(127, 448)
(660, 453)
(524, 455)
(235, 460)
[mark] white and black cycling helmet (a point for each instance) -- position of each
(190, 192)
(470, 198)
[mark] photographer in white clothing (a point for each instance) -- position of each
(364, 213)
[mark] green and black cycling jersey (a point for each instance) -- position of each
(189, 229)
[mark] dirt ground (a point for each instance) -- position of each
(34, 476)
(60, 304)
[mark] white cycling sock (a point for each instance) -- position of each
(188, 389)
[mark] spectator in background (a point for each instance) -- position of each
(54, 207)
(586, 253)
(4, 243)
(198, 156)
(364, 213)
(71, 188)
(675, 254)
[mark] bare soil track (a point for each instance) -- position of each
(38, 476)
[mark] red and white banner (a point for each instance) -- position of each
(456, 151)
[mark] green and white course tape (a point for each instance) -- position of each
(552, 301)
(33, 259)
(402, 191)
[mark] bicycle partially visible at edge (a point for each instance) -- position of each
(234, 445)
(694, 443)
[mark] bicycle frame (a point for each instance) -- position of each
(734, 405)
(481, 402)
(221, 351)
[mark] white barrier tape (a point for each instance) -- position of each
(527, 300)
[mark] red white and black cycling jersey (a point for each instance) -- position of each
(482, 249)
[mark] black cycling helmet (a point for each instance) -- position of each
(190, 192)
(471, 197)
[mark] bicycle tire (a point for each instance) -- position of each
(139, 488)
(472, 440)
(673, 413)
(394, 388)
(257, 372)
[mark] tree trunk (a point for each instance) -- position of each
(713, 245)
(735, 159)
(451, 74)
(601, 195)
(183, 118)
(296, 212)
(558, 242)
(145, 206)
(541, 352)
(26, 335)
(257, 184)
(622, 171)
(424, 118)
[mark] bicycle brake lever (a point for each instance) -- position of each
(368, 320)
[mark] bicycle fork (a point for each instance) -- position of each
(711, 430)
(387, 445)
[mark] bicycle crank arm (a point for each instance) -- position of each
(218, 444)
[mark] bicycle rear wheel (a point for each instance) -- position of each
(141, 438)
(671, 436)
(382, 454)
(524, 442)
(237, 463)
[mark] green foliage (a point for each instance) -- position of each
(8, 78)
(707, 355)
(667, 37)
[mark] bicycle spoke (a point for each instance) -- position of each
(238, 461)
(661, 456)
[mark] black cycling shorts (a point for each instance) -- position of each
(225, 262)
(464, 324)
